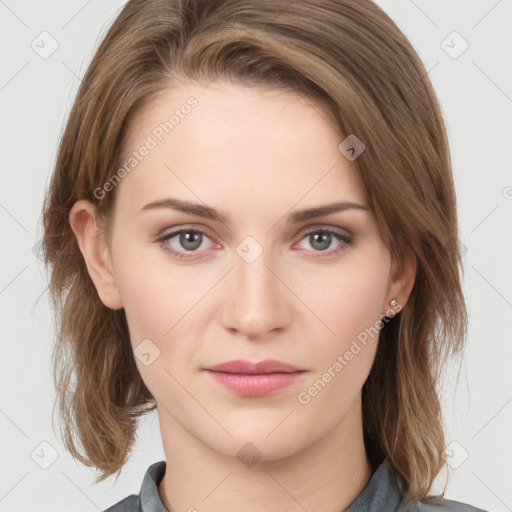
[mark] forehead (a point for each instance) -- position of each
(219, 105)
(208, 141)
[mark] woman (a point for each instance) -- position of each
(252, 229)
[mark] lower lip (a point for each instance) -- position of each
(257, 384)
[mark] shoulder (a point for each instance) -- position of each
(129, 504)
(438, 505)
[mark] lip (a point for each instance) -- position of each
(255, 379)
(250, 368)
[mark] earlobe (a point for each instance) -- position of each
(402, 280)
(83, 220)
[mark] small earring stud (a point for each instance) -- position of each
(393, 303)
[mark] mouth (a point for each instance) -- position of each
(246, 378)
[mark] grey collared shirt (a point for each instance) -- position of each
(381, 494)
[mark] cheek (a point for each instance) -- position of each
(160, 306)
(353, 297)
(350, 305)
(156, 312)
(152, 297)
(142, 298)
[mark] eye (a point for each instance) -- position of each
(187, 240)
(322, 239)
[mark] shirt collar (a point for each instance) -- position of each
(381, 492)
(149, 498)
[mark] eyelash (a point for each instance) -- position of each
(347, 241)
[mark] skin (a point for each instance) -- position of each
(256, 155)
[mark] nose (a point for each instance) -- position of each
(258, 302)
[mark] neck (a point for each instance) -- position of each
(325, 476)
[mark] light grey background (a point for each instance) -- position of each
(475, 91)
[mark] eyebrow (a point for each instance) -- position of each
(207, 212)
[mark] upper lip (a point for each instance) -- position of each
(248, 367)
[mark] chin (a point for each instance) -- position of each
(254, 443)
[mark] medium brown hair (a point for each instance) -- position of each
(353, 59)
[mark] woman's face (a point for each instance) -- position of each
(265, 282)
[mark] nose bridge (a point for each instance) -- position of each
(257, 301)
(255, 275)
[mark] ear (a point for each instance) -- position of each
(94, 249)
(401, 282)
